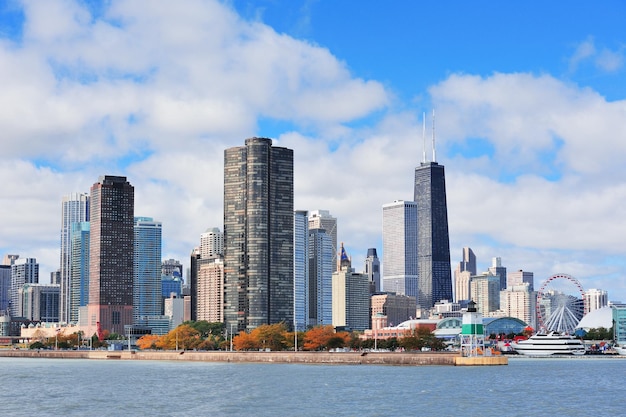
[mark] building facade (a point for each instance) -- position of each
(467, 265)
(39, 302)
(5, 288)
(79, 270)
(396, 308)
(301, 270)
(322, 219)
(74, 209)
(498, 270)
(258, 235)
(23, 271)
(400, 248)
(595, 299)
(372, 270)
(435, 277)
(320, 284)
(485, 292)
(519, 277)
(350, 297)
(147, 293)
(520, 302)
(210, 293)
(111, 254)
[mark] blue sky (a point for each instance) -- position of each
(530, 105)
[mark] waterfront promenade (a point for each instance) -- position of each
(343, 358)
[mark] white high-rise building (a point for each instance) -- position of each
(211, 243)
(400, 248)
(595, 299)
(519, 277)
(74, 209)
(485, 291)
(322, 219)
(462, 285)
(520, 302)
(23, 271)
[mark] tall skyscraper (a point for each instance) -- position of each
(111, 254)
(595, 299)
(258, 235)
(211, 243)
(74, 209)
(485, 292)
(147, 297)
(497, 269)
(372, 270)
(23, 271)
(301, 269)
(400, 248)
(5, 288)
(320, 278)
(207, 277)
(461, 281)
(435, 277)
(79, 277)
(322, 219)
(518, 301)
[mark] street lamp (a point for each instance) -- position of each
(231, 336)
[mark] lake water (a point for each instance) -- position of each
(588, 386)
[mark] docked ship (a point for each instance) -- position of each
(549, 344)
(621, 350)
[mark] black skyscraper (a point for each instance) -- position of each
(435, 277)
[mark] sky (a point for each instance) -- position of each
(529, 101)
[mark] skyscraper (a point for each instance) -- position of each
(351, 296)
(400, 248)
(74, 209)
(519, 277)
(23, 271)
(372, 270)
(461, 279)
(258, 235)
(301, 270)
(435, 278)
(485, 291)
(322, 219)
(111, 249)
(320, 278)
(79, 277)
(147, 297)
(497, 269)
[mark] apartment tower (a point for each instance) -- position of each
(258, 235)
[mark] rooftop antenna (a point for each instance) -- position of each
(434, 153)
(424, 137)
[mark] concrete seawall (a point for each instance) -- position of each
(339, 358)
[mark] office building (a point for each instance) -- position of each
(301, 269)
(595, 299)
(498, 270)
(519, 277)
(435, 277)
(79, 270)
(74, 209)
(468, 265)
(258, 235)
(350, 296)
(111, 254)
(619, 324)
(462, 286)
(210, 291)
(372, 270)
(320, 278)
(211, 243)
(322, 219)
(172, 267)
(400, 248)
(147, 294)
(23, 271)
(39, 302)
(5, 288)
(9, 259)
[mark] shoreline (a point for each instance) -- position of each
(326, 358)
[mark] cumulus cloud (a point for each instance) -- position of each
(604, 59)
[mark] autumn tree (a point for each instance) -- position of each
(183, 337)
(148, 341)
(421, 337)
(245, 341)
(270, 336)
(317, 338)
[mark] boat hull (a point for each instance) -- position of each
(550, 345)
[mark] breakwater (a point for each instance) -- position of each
(339, 358)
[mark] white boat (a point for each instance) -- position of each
(621, 350)
(552, 343)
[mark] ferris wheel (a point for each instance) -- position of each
(560, 304)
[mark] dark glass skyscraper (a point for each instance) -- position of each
(111, 253)
(258, 235)
(435, 277)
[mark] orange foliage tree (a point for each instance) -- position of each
(183, 337)
(270, 336)
(317, 338)
(245, 341)
(148, 341)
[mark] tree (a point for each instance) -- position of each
(421, 337)
(317, 338)
(148, 341)
(270, 336)
(245, 341)
(182, 337)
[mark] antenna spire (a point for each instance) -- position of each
(434, 153)
(424, 137)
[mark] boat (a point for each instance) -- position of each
(553, 343)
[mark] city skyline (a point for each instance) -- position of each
(530, 120)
